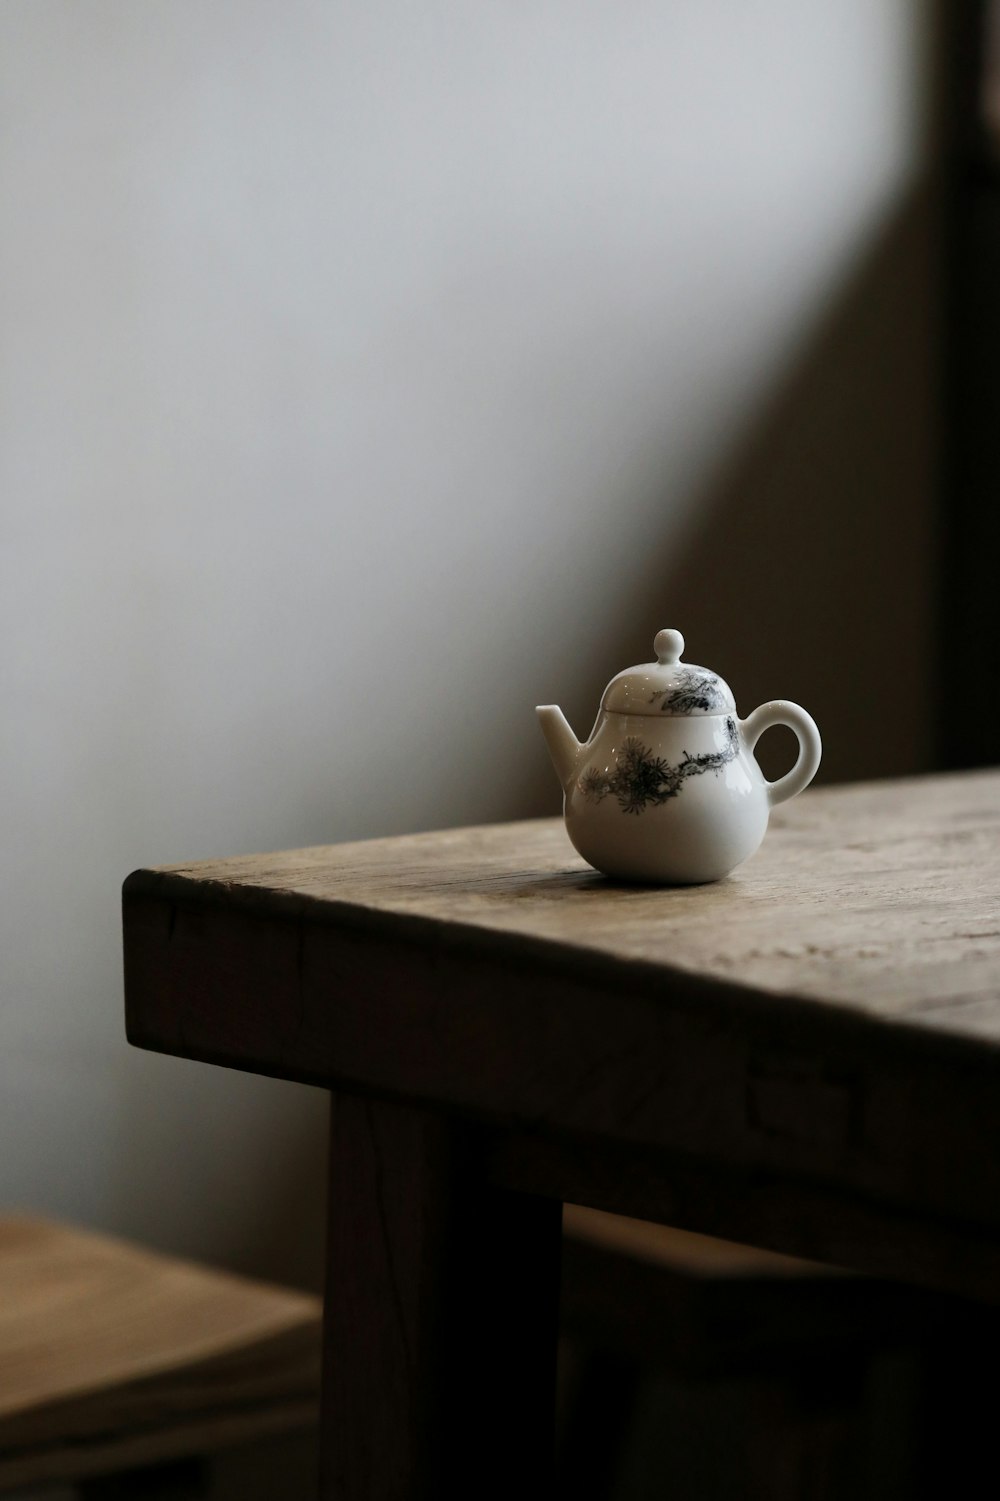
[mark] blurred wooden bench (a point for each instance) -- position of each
(726, 1371)
(116, 1360)
(652, 1292)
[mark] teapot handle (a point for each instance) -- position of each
(780, 711)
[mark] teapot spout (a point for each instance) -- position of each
(564, 748)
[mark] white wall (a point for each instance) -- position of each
(369, 372)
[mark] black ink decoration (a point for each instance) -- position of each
(695, 689)
(641, 780)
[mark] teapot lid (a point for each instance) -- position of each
(668, 685)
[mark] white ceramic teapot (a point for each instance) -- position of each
(667, 788)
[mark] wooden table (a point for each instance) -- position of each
(805, 1057)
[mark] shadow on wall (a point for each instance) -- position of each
(807, 570)
(804, 573)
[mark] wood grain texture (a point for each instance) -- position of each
(114, 1357)
(818, 1035)
(882, 899)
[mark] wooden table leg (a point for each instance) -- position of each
(441, 1316)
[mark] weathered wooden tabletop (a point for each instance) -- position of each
(805, 1056)
(829, 1014)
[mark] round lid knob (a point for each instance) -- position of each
(668, 646)
(668, 686)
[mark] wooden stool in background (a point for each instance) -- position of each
(709, 1371)
(125, 1371)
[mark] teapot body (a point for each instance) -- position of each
(667, 788)
(677, 800)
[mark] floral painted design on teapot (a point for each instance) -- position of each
(667, 788)
(641, 780)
